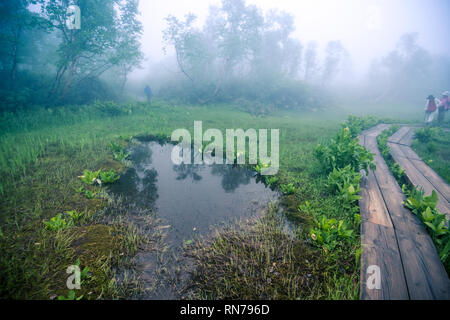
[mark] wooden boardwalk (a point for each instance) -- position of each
(394, 240)
(418, 172)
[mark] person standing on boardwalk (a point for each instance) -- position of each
(148, 93)
(430, 108)
(443, 107)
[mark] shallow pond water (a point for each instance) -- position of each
(189, 199)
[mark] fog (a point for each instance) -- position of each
(258, 54)
(367, 29)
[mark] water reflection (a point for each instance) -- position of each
(187, 170)
(190, 198)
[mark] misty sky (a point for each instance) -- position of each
(367, 28)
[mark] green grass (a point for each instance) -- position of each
(436, 152)
(43, 152)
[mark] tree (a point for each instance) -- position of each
(108, 38)
(335, 55)
(237, 42)
(15, 21)
(311, 63)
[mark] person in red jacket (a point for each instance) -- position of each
(443, 107)
(431, 106)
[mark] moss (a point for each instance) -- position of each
(93, 242)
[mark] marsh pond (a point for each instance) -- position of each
(190, 200)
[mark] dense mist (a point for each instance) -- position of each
(261, 55)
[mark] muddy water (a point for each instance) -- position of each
(189, 199)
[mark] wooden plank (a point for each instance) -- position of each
(393, 238)
(375, 131)
(392, 194)
(409, 153)
(425, 274)
(417, 178)
(408, 138)
(372, 206)
(397, 136)
(380, 249)
(378, 240)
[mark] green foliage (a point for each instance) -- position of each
(90, 194)
(63, 221)
(115, 148)
(91, 177)
(436, 223)
(83, 134)
(287, 188)
(121, 155)
(427, 134)
(417, 202)
(74, 215)
(58, 223)
(106, 37)
(70, 296)
(398, 172)
(271, 180)
(345, 184)
(342, 151)
(109, 176)
(328, 233)
(358, 124)
(85, 273)
(436, 151)
(236, 34)
(99, 177)
(342, 179)
(259, 167)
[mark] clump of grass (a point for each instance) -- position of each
(257, 260)
(433, 147)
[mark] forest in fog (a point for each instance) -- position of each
(239, 54)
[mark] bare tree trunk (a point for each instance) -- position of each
(56, 84)
(69, 79)
(124, 80)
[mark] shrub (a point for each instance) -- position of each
(357, 124)
(109, 176)
(90, 177)
(58, 223)
(436, 223)
(328, 232)
(425, 135)
(342, 151)
(287, 188)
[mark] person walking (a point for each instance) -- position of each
(443, 107)
(148, 93)
(430, 108)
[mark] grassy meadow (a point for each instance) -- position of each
(45, 152)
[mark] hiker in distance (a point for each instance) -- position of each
(443, 107)
(431, 106)
(148, 93)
